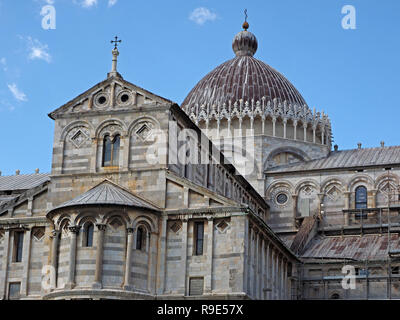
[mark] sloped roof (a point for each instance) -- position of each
(23, 182)
(347, 159)
(4, 199)
(367, 247)
(108, 193)
(67, 106)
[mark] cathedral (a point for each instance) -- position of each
(237, 193)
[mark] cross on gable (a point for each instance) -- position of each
(116, 42)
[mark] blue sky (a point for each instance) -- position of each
(353, 75)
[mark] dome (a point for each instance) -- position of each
(242, 77)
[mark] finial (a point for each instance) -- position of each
(245, 24)
(359, 145)
(382, 144)
(115, 54)
(115, 42)
(37, 170)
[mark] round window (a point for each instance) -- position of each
(102, 100)
(124, 98)
(282, 198)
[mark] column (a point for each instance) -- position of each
(295, 129)
(263, 125)
(54, 251)
(93, 160)
(373, 198)
(256, 260)
(323, 137)
(72, 257)
(4, 270)
(30, 207)
(346, 207)
(150, 247)
(184, 256)
(249, 257)
(125, 146)
(262, 266)
(284, 128)
(162, 247)
(272, 278)
(101, 228)
(26, 258)
(314, 129)
(267, 266)
(274, 127)
(128, 257)
(210, 247)
(294, 204)
(305, 131)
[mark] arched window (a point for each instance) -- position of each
(111, 151)
(88, 240)
(361, 197)
(335, 296)
(141, 239)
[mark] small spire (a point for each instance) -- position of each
(245, 24)
(115, 53)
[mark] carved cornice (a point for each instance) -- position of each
(264, 108)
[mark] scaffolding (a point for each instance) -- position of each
(381, 220)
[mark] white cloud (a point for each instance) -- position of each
(3, 62)
(19, 95)
(201, 15)
(112, 2)
(37, 50)
(91, 3)
(88, 3)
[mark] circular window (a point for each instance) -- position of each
(124, 98)
(281, 198)
(102, 100)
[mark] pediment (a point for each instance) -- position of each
(111, 94)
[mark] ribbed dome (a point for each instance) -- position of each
(243, 77)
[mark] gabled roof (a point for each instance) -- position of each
(108, 193)
(23, 182)
(346, 159)
(85, 95)
(367, 247)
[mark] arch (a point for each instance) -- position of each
(287, 149)
(108, 217)
(147, 118)
(64, 218)
(280, 184)
(330, 182)
(84, 217)
(306, 182)
(99, 130)
(360, 179)
(73, 125)
(385, 177)
(144, 220)
(335, 296)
